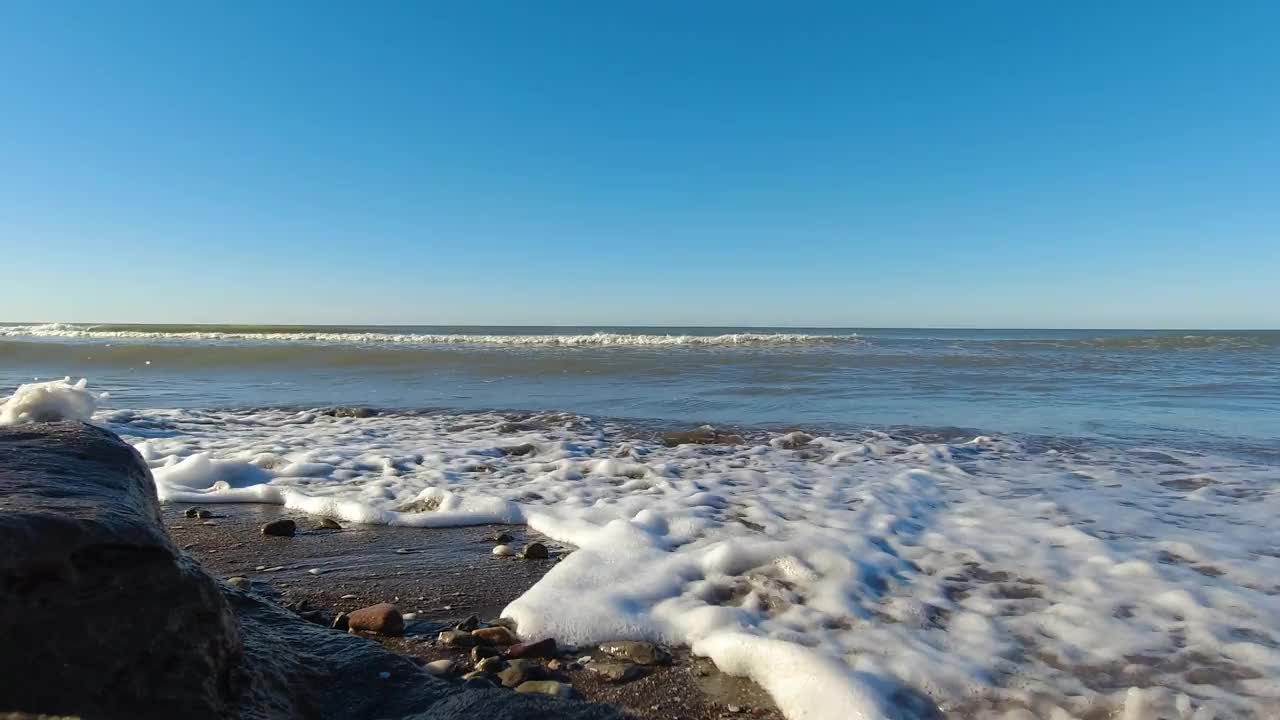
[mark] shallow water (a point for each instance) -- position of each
(1104, 547)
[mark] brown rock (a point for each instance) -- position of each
(455, 638)
(562, 691)
(283, 527)
(481, 652)
(495, 636)
(383, 619)
(616, 672)
(540, 649)
(641, 653)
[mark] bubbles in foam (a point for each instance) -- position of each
(990, 576)
(50, 401)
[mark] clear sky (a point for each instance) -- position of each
(1028, 164)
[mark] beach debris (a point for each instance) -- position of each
(541, 649)
(455, 638)
(503, 550)
(559, 690)
(283, 527)
(641, 653)
(446, 666)
(535, 551)
(617, 672)
(330, 524)
(498, 635)
(239, 582)
(383, 619)
(341, 621)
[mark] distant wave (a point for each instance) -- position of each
(312, 335)
(1226, 341)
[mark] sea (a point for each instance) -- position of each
(1005, 523)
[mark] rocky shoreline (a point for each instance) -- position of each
(109, 608)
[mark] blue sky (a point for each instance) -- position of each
(850, 164)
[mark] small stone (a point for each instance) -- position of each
(455, 638)
(239, 582)
(616, 672)
(330, 524)
(204, 514)
(441, 667)
(503, 551)
(535, 551)
(560, 690)
(317, 571)
(490, 665)
(502, 538)
(495, 636)
(341, 621)
(193, 512)
(280, 528)
(519, 671)
(540, 649)
(209, 522)
(733, 708)
(481, 652)
(348, 596)
(641, 653)
(383, 619)
(471, 623)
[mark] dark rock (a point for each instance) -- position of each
(535, 551)
(641, 653)
(705, 435)
(341, 621)
(481, 652)
(518, 671)
(240, 583)
(499, 538)
(330, 524)
(540, 649)
(283, 527)
(383, 619)
(349, 412)
(204, 514)
(521, 449)
(100, 614)
(490, 665)
(193, 512)
(469, 624)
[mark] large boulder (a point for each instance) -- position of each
(102, 617)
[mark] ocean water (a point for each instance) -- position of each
(1011, 524)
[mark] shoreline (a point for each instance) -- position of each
(440, 576)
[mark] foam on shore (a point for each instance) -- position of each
(50, 401)
(846, 574)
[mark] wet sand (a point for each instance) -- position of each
(442, 575)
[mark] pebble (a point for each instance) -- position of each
(616, 672)
(441, 667)
(239, 582)
(641, 653)
(348, 596)
(277, 568)
(410, 616)
(330, 524)
(383, 619)
(471, 623)
(535, 551)
(495, 636)
(519, 671)
(540, 649)
(283, 527)
(490, 665)
(501, 538)
(481, 652)
(555, 689)
(317, 571)
(503, 551)
(208, 522)
(455, 638)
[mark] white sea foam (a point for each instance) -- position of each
(594, 339)
(49, 402)
(845, 574)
